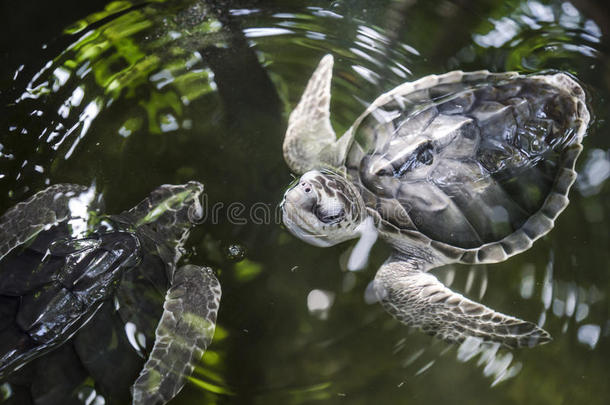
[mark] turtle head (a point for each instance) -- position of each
(323, 208)
(169, 212)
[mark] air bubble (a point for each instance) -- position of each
(235, 252)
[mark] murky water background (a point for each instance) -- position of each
(130, 95)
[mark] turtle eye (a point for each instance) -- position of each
(424, 153)
(385, 171)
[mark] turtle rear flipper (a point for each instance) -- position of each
(184, 332)
(419, 299)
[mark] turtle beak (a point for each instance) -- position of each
(195, 212)
(301, 195)
(297, 225)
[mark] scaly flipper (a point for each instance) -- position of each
(310, 141)
(44, 209)
(182, 336)
(419, 299)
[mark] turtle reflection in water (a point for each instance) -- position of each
(68, 274)
(455, 168)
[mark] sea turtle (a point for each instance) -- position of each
(462, 167)
(63, 265)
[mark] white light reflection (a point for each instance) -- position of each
(61, 77)
(243, 11)
(589, 335)
(72, 101)
(19, 69)
(540, 11)
(168, 123)
(141, 339)
(88, 396)
(484, 281)
(31, 89)
(84, 69)
(469, 348)
(449, 276)
(162, 78)
(195, 58)
(425, 368)
(315, 35)
(77, 96)
(284, 16)
(593, 29)
(469, 280)
(124, 131)
(319, 303)
(365, 56)
(527, 281)
(400, 71)
(79, 207)
(582, 311)
(547, 286)
(570, 10)
(174, 34)
(265, 32)
(325, 13)
(374, 35)
(595, 172)
(497, 365)
(558, 307)
(504, 30)
(87, 116)
(130, 332)
(570, 300)
(410, 49)
(367, 74)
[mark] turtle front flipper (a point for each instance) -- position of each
(419, 299)
(48, 207)
(310, 141)
(184, 332)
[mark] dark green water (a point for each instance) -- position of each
(131, 95)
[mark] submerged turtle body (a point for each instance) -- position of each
(73, 282)
(460, 167)
(477, 164)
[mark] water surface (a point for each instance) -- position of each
(130, 95)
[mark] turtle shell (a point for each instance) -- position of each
(476, 165)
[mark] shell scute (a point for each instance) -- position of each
(516, 242)
(537, 225)
(555, 203)
(491, 253)
(459, 104)
(565, 180)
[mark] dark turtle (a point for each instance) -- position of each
(455, 168)
(66, 271)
